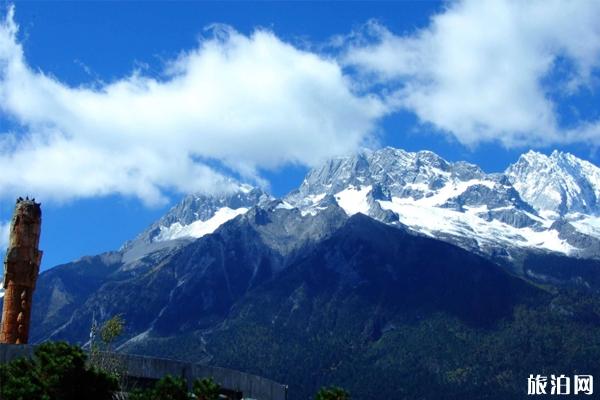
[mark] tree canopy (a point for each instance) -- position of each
(57, 371)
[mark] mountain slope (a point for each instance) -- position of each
(154, 290)
(383, 312)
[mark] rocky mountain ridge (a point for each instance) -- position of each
(460, 203)
(540, 203)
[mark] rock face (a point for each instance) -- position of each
(21, 269)
(195, 216)
(185, 218)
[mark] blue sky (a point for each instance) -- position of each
(111, 111)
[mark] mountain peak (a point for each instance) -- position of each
(196, 215)
(537, 158)
(557, 184)
(557, 154)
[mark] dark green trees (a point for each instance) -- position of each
(206, 389)
(168, 388)
(57, 371)
(171, 388)
(332, 393)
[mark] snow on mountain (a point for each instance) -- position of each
(587, 225)
(542, 202)
(558, 184)
(398, 172)
(433, 221)
(198, 228)
(199, 214)
(419, 176)
(196, 215)
(458, 202)
(353, 200)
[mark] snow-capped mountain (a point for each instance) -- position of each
(541, 203)
(558, 184)
(458, 202)
(200, 214)
(196, 215)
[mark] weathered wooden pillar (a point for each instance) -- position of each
(21, 268)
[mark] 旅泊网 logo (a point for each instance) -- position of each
(560, 385)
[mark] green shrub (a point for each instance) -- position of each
(206, 389)
(57, 371)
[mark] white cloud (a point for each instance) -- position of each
(249, 103)
(478, 70)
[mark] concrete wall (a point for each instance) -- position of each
(251, 386)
